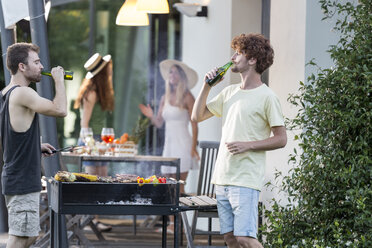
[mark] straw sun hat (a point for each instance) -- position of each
(165, 66)
(95, 64)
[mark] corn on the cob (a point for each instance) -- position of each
(65, 176)
(82, 177)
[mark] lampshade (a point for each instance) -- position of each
(47, 7)
(153, 6)
(129, 16)
(191, 9)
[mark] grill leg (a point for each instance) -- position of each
(60, 238)
(59, 232)
(135, 225)
(181, 231)
(164, 232)
(52, 226)
(209, 229)
(176, 230)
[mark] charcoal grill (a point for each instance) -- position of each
(88, 197)
(115, 199)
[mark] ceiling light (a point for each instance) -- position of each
(129, 16)
(153, 6)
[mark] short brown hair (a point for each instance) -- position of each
(255, 46)
(18, 53)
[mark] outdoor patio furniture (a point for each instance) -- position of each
(204, 203)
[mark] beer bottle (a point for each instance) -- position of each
(220, 72)
(69, 75)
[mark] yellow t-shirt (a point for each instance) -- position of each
(247, 115)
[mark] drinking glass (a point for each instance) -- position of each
(86, 135)
(107, 135)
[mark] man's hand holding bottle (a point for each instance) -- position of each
(217, 74)
(58, 74)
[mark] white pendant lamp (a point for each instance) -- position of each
(153, 6)
(129, 16)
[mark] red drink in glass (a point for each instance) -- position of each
(108, 138)
(107, 135)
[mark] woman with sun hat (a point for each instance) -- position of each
(175, 111)
(95, 98)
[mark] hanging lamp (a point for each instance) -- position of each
(153, 6)
(129, 16)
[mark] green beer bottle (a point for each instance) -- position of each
(69, 75)
(220, 72)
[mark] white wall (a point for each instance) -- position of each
(287, 36)
(246, 18)
(319, 36)
(206, 44)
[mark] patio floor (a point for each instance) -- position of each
(122, 235)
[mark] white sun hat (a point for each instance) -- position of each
(95, 64)
(166, 65)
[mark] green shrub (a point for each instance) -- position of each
(329, 187)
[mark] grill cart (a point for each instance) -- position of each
(115, 198)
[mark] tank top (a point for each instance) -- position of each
(21, 153)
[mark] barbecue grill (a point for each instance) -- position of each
(115, 199)
(88, 197)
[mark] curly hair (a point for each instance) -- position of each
(102, 85)
(255, 46)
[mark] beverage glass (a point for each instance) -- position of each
(107, 135)
(86, 135)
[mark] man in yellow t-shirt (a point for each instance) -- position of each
(250, 112)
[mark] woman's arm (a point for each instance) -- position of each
(157, 120)
(88, 105)
(190, 100)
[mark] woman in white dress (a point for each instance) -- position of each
(175, 110)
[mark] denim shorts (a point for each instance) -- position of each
(23, 214)
(237, 210)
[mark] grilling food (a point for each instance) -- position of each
(65, 176)
(125, 178)
(153, 179)
(82, 177)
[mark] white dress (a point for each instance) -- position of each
(178, 140)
